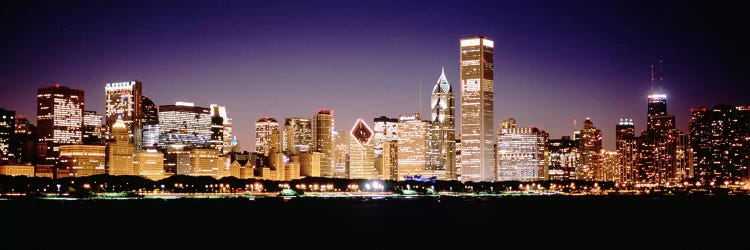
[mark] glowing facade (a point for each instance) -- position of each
(521, 153)
(477, 90)
(361, 158)
(149, 164)
(121, 151)
(92, 128)
(323, 140)
(412, 146)
(297, 136)
(263, 129)
(184, 124)
(82, 160)
(441, 154)
(123, 101)
(7, 131)
(563, 158)
(720, 143)
(225, 128)
(340, 154)
(590, 146)
(386, 129)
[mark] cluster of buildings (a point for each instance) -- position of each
(137, 137)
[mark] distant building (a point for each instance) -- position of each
(310, 164)
(590, 146)
(412, 146)
(123, 101)
(340, 154)
(385, 129)
(184, 124)
(441, 153)
(205, 162)
(521, 153)
(82, 160)
(19, 170)
(361, 157)
(563, 159)
(477, 109)
(59, 119)
(297, 136)
(388, 161)
(25, 140)
(322, 124)
(92, 128)
(720, 143)
(221, 129)
(121, 151)
(263, 129)
(7, 134)
(149, 164)
(150, 128)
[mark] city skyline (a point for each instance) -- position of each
(565, 77)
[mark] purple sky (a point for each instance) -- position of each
(556, 61)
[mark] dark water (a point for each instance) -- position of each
(637, 222)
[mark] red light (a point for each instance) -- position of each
(57, 85)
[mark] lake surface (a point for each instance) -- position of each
(518, 222)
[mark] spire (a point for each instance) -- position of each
(661, 75)
(442, 78)
(652, 79)
(442, 83)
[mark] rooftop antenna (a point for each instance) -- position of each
(652, 79)
(661, 75)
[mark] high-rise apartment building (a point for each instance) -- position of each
(477, 109)
(441, 153)
(323, 140)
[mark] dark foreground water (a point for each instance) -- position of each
(636, 222)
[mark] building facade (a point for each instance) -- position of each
(121, 151)
(123, 101)
(720, 143)
(412, 147)
(441, 154)
(323, 140)
(521, 153)
(59, 119)
(361, 157)
(297, 136)
(477, 109)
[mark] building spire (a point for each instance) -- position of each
(661, 75)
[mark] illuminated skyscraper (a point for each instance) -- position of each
(7, 131)
(590, 146)
(59, 118)
(225, 128)
(441, 155)
(123, 101)
(297, 135)
(149, 137)
(623, 130)
(263, 129)
(184, 124)
(361, 157)
(477, 90)
(385, 129)
(323, 140)
(412, 146)
(720, 142)
(340, 154)
(25, 139)
(563, 158)
(121, 151)
(521, 153)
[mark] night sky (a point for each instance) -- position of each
(555, 62)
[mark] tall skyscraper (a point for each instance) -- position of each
(121, 150)
(323, 140)
(123, 100)
(264, 127)
(92, 128)
(521, 153)
(590, 146)
(25, 139)
(184, 124)
(412, 146)
(719, 142)
(441, 155)
(225, 126)
(623, 130)
(7, 131)
(361, 157)
(149, 136)
(386, 129)
(59, 118)
(477, 110)
(297, 135)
